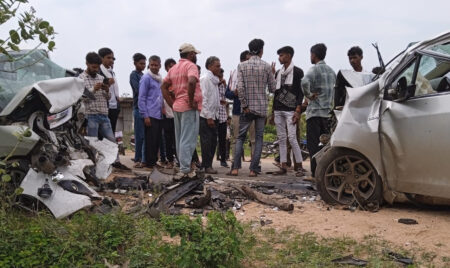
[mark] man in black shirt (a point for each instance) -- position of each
(287, 103)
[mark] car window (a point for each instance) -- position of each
(26, 70)
(441, 48)
(432, 75)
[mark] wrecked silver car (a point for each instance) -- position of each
(55, 161)
(390, 140)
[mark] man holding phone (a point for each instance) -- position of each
(97, 109)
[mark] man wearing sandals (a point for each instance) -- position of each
(254, 76)
(287, 104)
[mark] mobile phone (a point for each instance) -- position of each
(106, 81)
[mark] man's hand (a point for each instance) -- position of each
(222, 81)
(98, 86)
(273, 67)
(236, 93)
(193, 105)
(211, 123)
(147, 122)
(313, 96)
(105, 87)
(246, 110)
(295, 118)
(111, 81)
(223, 102)
(271, 120)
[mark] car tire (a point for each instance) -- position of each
(340, 171)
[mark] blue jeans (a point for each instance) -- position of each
(139, 141)
(186, 132)
(245, 121)
(99, 123)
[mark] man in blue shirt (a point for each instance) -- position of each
(150, 104)
(140, 62)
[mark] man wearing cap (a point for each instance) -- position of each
(185, 98)
(254, 76)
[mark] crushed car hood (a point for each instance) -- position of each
(55, 92)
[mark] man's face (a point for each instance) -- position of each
(313, 58)
(154, 66)
(140, 65)
(215, 68)
(92, 68)
(169, 66)
(355, 61)
(284, 58)
(108, 60)
(193, 57)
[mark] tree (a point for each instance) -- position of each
(29, 28)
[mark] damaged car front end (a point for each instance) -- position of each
(389, 143)
(56, 161)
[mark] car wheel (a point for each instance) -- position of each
(342, 172)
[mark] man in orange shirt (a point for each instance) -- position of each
(185, 100)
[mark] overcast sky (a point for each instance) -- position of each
(224, 28)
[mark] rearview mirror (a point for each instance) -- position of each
(403, 90)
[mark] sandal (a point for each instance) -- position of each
(139, 165)
(253, 174)
(280, 172)
(299, 174)
(230, 173)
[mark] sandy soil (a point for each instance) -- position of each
(430, 234)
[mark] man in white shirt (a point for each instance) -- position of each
(209, 84)
(106, 70)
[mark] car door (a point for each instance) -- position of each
(415, 127)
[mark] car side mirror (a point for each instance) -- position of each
(403, 90)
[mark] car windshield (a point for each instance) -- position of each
(26, 70)
(441, 48)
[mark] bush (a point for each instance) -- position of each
(217, 244)
(86, 240)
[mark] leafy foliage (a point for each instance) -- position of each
(218, 244)
(29, 27)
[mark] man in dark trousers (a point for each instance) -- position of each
(318, 86)
(140, 62)
(150, 106)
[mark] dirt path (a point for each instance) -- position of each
(431, 234)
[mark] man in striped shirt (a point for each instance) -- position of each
(254, 76)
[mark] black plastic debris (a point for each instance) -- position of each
(125, 183)
(76, 187)
(407, 221)
(350, 260)
(398, 257)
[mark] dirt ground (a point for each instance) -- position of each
(310, 215)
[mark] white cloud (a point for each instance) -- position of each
(224, 28)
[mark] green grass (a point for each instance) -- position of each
(87, 239)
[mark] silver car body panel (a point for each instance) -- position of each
(397, 138)
(54, 91)
(61, 203)
(9, 139)
(108, 152)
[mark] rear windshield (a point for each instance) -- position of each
(25, 71)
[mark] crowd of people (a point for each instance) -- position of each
(171, 112)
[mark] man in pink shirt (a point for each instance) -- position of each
(185, 98)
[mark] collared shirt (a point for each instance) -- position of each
(178, 78)
(229, 93)
(135, 77)
(150, 97)
(319, 79)
(100, 104)
(210, 94)
(222, 108)
(114, 88)
(254, 76)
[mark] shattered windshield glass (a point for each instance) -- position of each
(442, 48)
(26, 70)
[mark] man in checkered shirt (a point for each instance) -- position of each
(254, 76)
